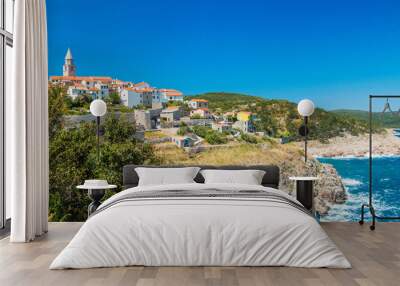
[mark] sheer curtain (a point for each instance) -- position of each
(27, 124)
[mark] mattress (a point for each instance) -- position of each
(201, 225)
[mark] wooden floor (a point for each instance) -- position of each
(375, 257)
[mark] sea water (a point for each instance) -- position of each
(354, 173)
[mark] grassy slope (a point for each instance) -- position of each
(241, 154)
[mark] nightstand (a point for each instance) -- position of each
(305, 191)
(95, 193)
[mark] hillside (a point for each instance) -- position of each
(280, 117)
(386, 120)
(225, 101)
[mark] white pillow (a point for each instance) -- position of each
(166, 176)
(247, 177)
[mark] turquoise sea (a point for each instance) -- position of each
(354, 172)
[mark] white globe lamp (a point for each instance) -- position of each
(98, 108)
(306, 109)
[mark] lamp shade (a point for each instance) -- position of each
(98, 107)
(305, 107)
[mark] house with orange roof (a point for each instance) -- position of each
(222, 126)
(76, 90)
(171, 114)
(203, 112)
(141, 85)
(167, 95)
(80, 79)
(118, 85)
(146, 95)
(196, 103)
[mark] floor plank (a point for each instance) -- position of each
(375, 257)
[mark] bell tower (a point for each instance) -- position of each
(69, 69)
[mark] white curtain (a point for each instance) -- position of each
(27, 124)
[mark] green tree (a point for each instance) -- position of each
(68, 102)
(211, 136)
(73, 159)
(56, 109)
(71, 163)
(249, 138)
(266, 122)
(215, 138)
(82, 100)
(231, 118)
(113, 98)
(201, 130)
(117, 130)
(183, 129)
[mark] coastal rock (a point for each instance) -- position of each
(321, 206)
(328, 189)
(385, 143)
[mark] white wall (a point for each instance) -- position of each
(130, 98)
(156, 97)
(103, 90)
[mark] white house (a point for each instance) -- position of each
(133, 97)
(103, 90)
(202, 112)
(183, 141)
(130, 98)
(118, 85)
(87, 82)
(170, 95)
(78, 89)
(146, 96)
(171, 114)
(156, 96)
(141, 85)
(222, 126)
(196, 103)
(75, 90)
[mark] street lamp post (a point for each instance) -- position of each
(98, 108)
(305, 109)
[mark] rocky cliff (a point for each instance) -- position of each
(328, 190)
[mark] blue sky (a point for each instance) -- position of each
(334, 52)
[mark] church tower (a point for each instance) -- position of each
(69, 69)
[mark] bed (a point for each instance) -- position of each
(201, 224)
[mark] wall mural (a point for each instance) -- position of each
(162, 125)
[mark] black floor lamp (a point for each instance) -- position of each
(305, 109)
(371, 184)
(98, 108)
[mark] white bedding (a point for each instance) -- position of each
(200, 231)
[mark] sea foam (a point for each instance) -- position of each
(348, 182)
